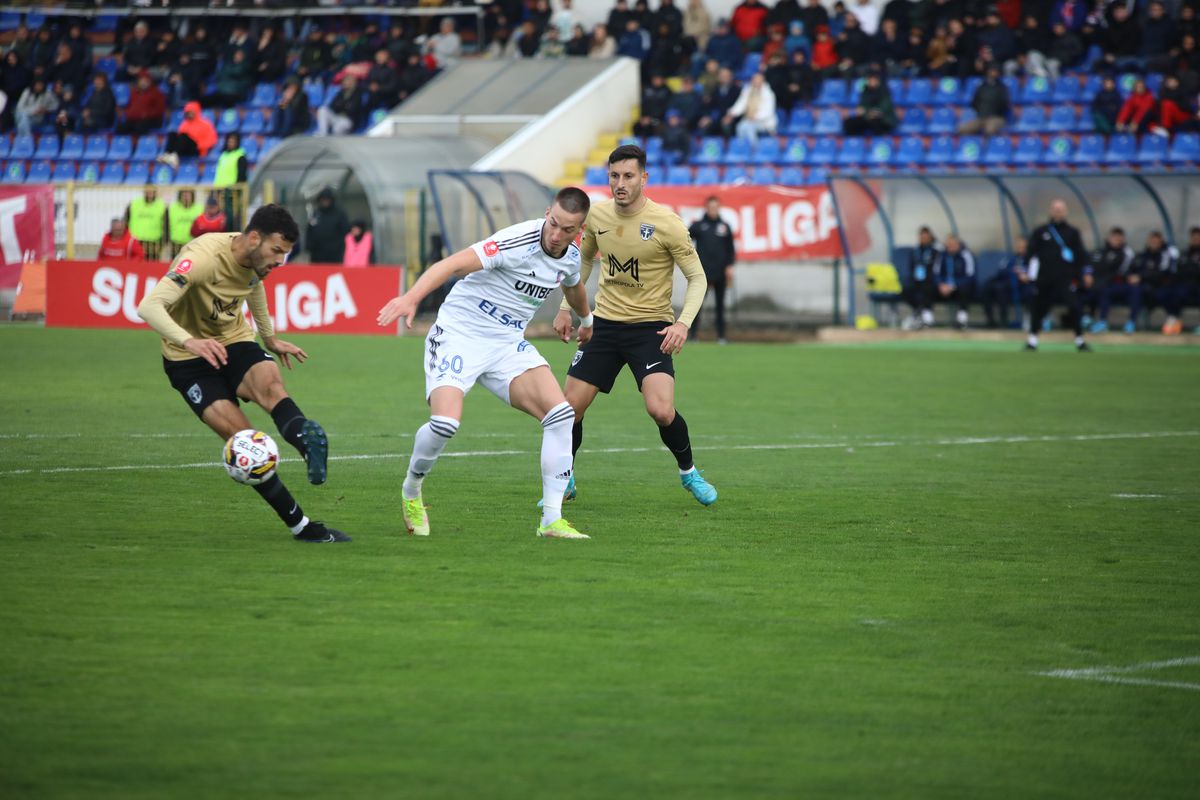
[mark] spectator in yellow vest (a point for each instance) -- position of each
(359, 248)
(147, 217)
(180, 216)
(232, 165)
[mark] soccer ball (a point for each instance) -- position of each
(250, 457)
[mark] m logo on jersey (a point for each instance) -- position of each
(229, 309)
(490, 248)
(630, 266)
(647, 231)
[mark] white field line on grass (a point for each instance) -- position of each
(1118, 674)
(841, 445)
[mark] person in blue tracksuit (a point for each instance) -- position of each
(956, 278)
(920, 287)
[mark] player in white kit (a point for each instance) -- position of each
(479, 337)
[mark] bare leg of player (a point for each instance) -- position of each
(263, 385)
(536, 392)
(658, 392)
(445, 413)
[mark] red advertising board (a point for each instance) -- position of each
(770, 223)
(26, 229)
(105, 294)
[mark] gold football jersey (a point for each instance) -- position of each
(201, 297)
(638, 254)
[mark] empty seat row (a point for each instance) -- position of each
(100, 146)
(682, 175)
(955, 91)
(109, 173)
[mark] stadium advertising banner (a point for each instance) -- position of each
(105, 294)
(26, 229)
(770, 223)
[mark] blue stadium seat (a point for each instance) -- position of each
(316, 95)
(1030, 119)
(1092, 85)
(89, 172)
(1013, 84)
(162, 175)
(829, 121)
(47, 147)
(173, 122)
(1154, 82)
(710, 150)
(733, 175)
(1059, 151)
(10, 21)
(35, 19)
(833, 93)
(653, 146)
(1028, 151)
(106, 23)
(896, 87)
(800, 121)
(595, 176)
(737, 151)
(999, 151)
(943, 120)
(107, 65)
(22, 147)
(911, 152)
(72, 147)
(767, 151)
(1067, 89)
(269, 143)
(919, 92)
(1090, 150)
(120, 148)
(4, 145)
(64, 171)
(947, 91)
(377, 116)
(229, 121)
(330, 92)
(765, 175)
(749, 66)
(264, 96)
(824, 151)
(914, 121)
(796, 151)
(1062, 119)
(1152, 150)
(40, 172)
(679, 176)
(854, 91)
(853, 152)
(1036, 90)
(96, 148)
(792, 176)
(969, 151)
(707, 175)
(14, 172)
(114, 172)
(1185, 149)
(1122, 148)
(189, 172)
(121, 92)
(148, 147)
(137, 173)
(817, 176)
(968, 90)
(881, 152)
(941, 151)
(254, 123)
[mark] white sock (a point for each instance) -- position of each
(961, 316)
(1032, 340)
(301, 525)
(687, 471)
(556, 459)
(1078, 341)
(430, 440)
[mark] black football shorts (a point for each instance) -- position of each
(615, 344)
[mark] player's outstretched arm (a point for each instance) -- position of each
(463, 262)
(576, 297)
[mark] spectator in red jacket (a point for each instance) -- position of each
(119, 243)
(147, 107)
(195, 137)
(824, 54)
(1175, 111)
(748, 22)
(1138, 110)
(212, 220)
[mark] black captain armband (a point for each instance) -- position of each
(177, 278)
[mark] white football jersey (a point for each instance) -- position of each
(517, 277)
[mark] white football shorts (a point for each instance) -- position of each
(460, 360)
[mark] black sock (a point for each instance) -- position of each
(576, 436)
(289, 419)
(675, 437)
(280, 499)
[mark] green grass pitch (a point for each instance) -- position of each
(906, 537)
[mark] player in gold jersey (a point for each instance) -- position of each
(210, 355)
(639, 243)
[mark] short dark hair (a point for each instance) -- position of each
(626, 152)
(1117, 229)
(712, 198)
(573, 200)
(274, 218)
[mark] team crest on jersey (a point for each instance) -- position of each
(722, 229)
(194, 394)
(647, 231)
(578, 355)
(490, 248)
(183, 267)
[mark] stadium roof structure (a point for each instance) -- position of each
(374, 178)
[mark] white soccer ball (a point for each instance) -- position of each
(250, 457)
